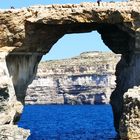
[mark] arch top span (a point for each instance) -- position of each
(37, 28)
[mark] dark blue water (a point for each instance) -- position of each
(65, 122)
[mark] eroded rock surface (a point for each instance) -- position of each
(12, 132)
(10, 108)
(88, 79)
(37, 28)
(29, 33)
(130, 120)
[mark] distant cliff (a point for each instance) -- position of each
(85, 79)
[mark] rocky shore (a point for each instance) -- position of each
(86, 79)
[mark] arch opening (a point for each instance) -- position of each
(72, 45)
(77, 84)
(114, 36)
(94, 68)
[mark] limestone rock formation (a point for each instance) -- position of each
(12, 132)
(28, 33)
(10, 108)
(130, 121)
(88, 79)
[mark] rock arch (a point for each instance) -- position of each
(27, 34)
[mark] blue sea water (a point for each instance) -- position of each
(66, 122)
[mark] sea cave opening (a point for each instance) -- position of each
(75, 72)
(75, 66)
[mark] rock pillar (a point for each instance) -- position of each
(127, 72)
(10, 108)
(16, 72)
(8, 102)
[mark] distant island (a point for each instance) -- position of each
(85, 79)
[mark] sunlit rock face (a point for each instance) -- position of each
(88, 79)
(31, 32)
(37, 28)
(12, 132)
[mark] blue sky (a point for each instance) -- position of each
(69, 45)
(27, 3)
(73, 44)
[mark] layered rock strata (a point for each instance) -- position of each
(30, 32)
(88, 79)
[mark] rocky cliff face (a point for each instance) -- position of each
(85, 79)
(28, 33)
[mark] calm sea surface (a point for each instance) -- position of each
(66, 122)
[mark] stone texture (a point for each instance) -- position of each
(37, 28)
(88, 79)
(10, 108)
(127, 71)
(22, 69)
(28, 33)
(12, 132)
(130, 120)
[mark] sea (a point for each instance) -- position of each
(68, 122)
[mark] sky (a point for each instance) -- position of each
(26, 3)
(73, 44)
(69, 45)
